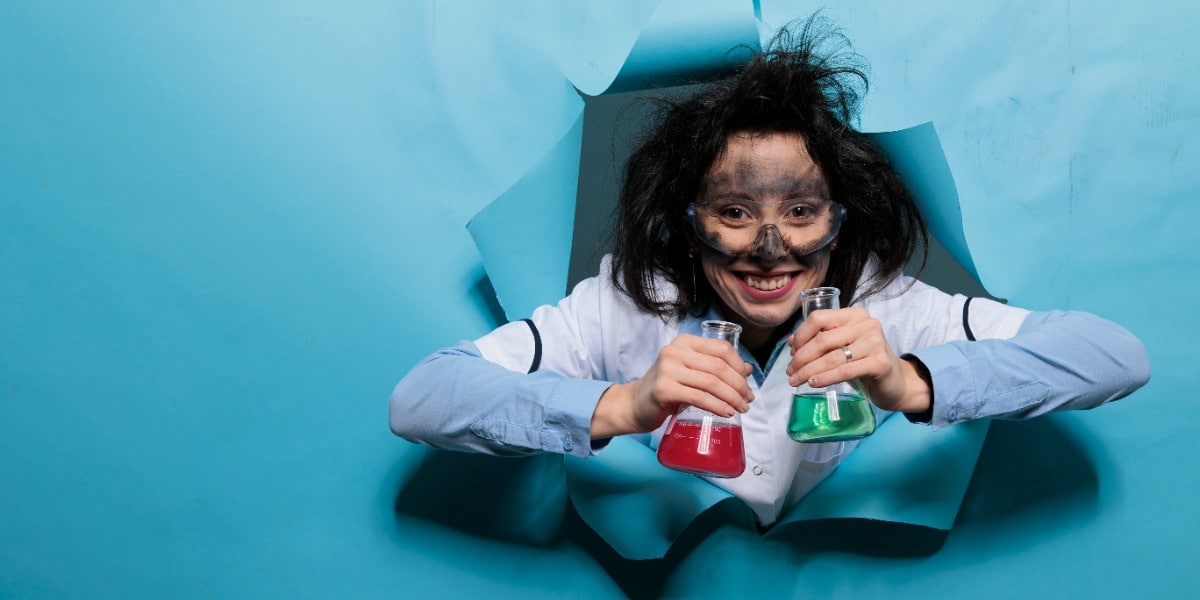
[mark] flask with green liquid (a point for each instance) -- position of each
(835, 413)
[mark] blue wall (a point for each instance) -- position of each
(227, 228)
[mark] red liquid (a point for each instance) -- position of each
(680, 450)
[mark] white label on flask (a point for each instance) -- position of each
(831, 403)
(705, 435)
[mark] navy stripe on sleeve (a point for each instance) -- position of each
(537, 346)
(966, 321)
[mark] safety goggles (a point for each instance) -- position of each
(738, 227)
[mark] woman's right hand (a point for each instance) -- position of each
(704, 373)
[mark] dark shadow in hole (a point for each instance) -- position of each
(516, 500)
(942, 271)
(647, 578)
(485, 297)
(1026, 466)
(867, 537)
(1023, 466)
(613, 125)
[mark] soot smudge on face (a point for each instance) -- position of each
(759, 178)
(773, 252)
(769, 244)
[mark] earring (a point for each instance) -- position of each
(833, 245)
(692, 268)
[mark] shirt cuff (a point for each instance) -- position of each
(574, 416)
(925, 416)
(950, 372)
(565, 423)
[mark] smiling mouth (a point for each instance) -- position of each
(767, 284)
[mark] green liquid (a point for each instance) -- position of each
(810, 422)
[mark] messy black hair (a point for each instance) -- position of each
(809, 82)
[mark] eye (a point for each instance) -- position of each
(734, 213)
(802, 212)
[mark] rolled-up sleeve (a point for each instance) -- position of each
(443, 403)
(1058, 360)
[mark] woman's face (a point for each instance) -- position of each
(770, 174)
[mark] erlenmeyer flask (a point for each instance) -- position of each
(835, 413)
(702, 443)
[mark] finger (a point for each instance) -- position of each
(733, 371)
(719, 348)
(872, 360)
(725, 385)
(711, 376)
(824, 320)
(849, 321)
(676, 393)
(847, 352)
(720, 359)
(837, 338)
(857, 370)
(712, 404)
(822, 347)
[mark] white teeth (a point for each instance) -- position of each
(767, 285)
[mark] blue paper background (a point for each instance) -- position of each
(226, 230)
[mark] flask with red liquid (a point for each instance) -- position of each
(835, 413)
(703, 443)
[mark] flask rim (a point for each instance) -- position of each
(723, 326)
(820, 292)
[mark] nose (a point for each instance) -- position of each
(769, 246)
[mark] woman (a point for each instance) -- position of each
(743, 196)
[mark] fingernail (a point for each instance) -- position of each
(812, 381)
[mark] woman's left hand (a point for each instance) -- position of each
(836, 346)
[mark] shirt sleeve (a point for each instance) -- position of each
(528, 386)
(457, 400)
(1056, 361)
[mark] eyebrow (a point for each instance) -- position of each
(724, 183)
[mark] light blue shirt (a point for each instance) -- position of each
(480, 396)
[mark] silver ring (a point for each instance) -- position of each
(847, 352)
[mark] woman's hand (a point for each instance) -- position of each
(835, 346)
(705, 373)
